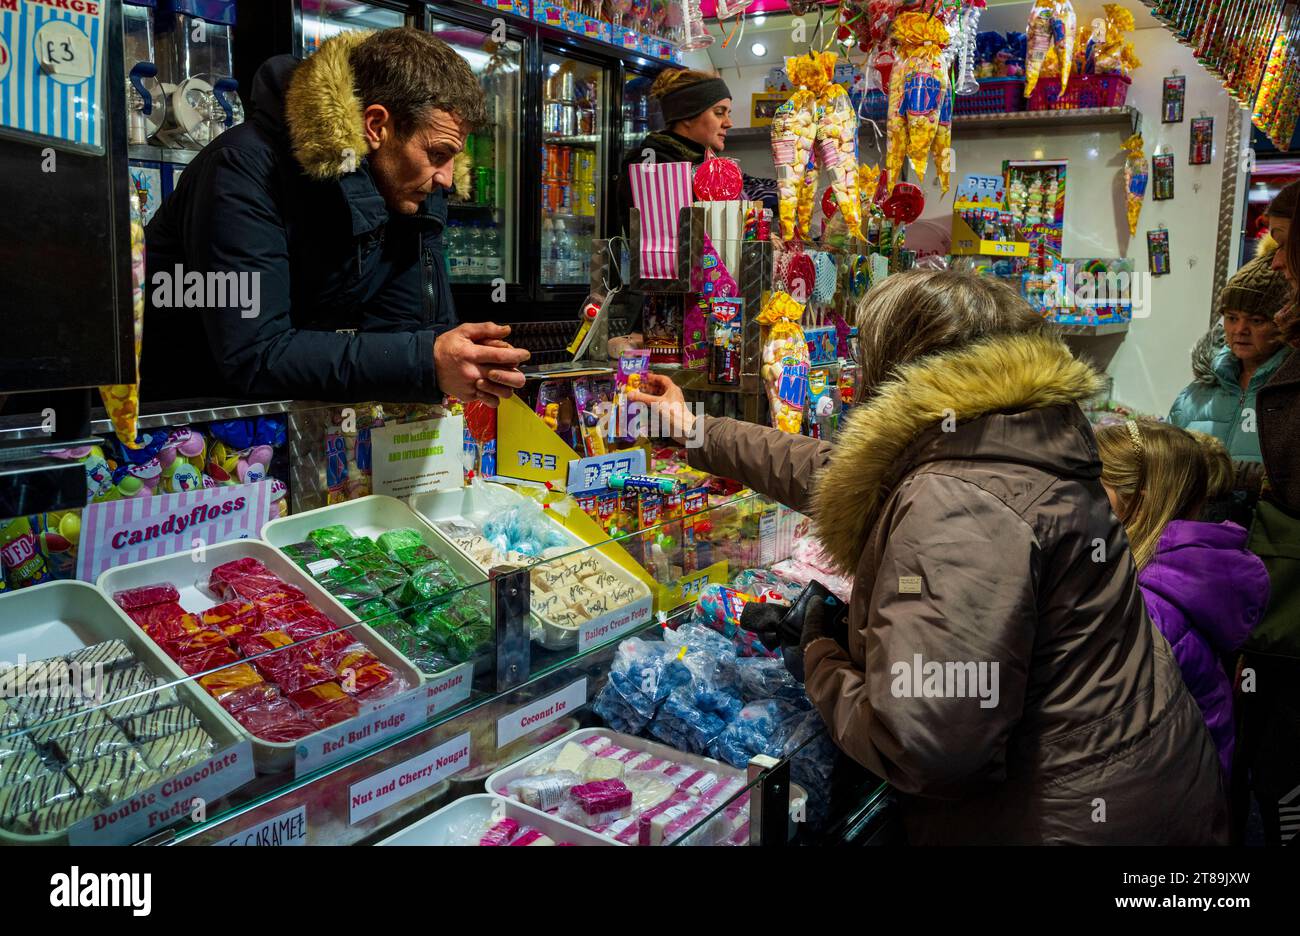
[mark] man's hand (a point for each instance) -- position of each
(669, 404)
(473, 362)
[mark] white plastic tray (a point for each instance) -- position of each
(58, 617)
(469, 811)
(189, 574)
(497, 783)
(463, 505)
(370, 516)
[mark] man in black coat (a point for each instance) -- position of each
(301, 254)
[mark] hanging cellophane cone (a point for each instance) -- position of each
(916, 86)
(785, 361)
(837, 146)
(122, 401)
(794, 131)
(1136, 172)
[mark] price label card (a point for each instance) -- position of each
(534, 715)
(289, 828)
(767, 539)
(448, 689)
(367, 729)
(52, 71)
(181, 798)
(409, 778)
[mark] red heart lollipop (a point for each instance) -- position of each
(828, 203)
(718, 180)
(801, 277)
(481, 421)
(904, 204)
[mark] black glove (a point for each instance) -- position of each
(815, 613)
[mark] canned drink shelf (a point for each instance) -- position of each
(584, 139)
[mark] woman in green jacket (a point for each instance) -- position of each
(1221, 402)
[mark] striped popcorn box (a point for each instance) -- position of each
(660, 191)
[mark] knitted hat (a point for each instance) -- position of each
(1255, 289)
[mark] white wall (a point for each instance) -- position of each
(1150, 364)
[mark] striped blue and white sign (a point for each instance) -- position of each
(52, 71)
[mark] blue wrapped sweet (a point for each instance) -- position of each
(768, 678)
(679, 724)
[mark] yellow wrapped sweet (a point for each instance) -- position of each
(1114, 54)
(917, 85)
(785, 361)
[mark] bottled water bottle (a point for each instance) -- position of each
(475, 251)
(492, 250)
(548, 247)
(561, 252)
(452, 241)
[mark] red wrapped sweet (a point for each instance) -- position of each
(278, 595)
(329, 648)
(314, 625)
(224, 682)
(156, 617)
(302, 674)
(252, 644)
(206, 660)
(354, 658)
(194, 642)
(318, 696)
(133, 599)
(248, 696)
(251, 587)
(327, 715)
(280, 616)
(175, 628)
(364, 679)
(237, 569)
(277, 719)
(234, 618)
(719, 179)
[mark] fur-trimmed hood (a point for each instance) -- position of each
(323, 112)
(925, 414)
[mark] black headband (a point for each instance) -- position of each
(687, 102)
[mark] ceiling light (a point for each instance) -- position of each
(760, 19)
(758, 49)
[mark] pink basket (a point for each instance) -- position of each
(995, 96)
(1084, 91)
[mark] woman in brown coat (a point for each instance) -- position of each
(998, 667)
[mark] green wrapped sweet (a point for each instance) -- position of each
(376, 562)
(431, 625)
(413, 557)
(355, 547)
(377, 612)
(303, 554)
(354, 593)
(341, 574)
(428, 582)
(394, 540)
(385, 579)
(330, 536)
(466, 642)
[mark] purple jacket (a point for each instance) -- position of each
(1206, 592)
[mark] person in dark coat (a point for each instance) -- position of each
(301, 254)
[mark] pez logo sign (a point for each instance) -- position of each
(537, 460)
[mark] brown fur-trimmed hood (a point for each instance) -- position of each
(323, 111)
(1004, 374)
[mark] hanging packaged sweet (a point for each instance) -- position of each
(794, 131)
(837, 152)
(1113, 53)
(918, 83)
(785, 361)
(1050, 35)
(122, 401)
(1136, 172)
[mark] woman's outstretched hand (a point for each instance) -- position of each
(668, 406)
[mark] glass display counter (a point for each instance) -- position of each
(364, 664)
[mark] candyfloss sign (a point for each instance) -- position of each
(136, 528)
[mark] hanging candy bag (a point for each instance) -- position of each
(785, 361)
(916, 84)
